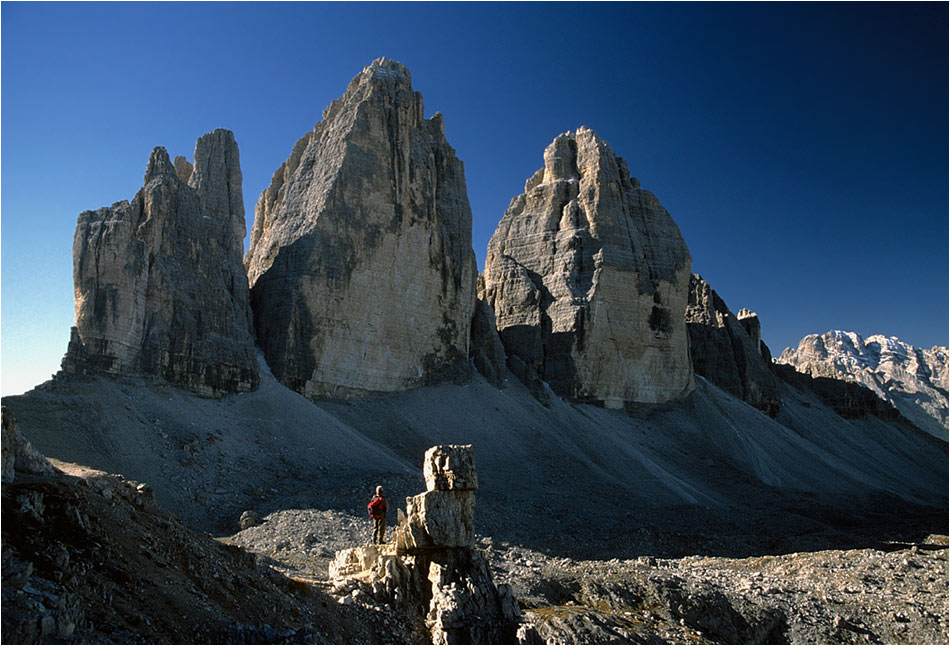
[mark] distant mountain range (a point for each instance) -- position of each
(913, 379)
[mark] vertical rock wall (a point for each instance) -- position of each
(728, 350)
(160, 288)
(361, 265)
(588, 276)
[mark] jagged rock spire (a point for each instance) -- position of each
(361, 268)
(160, 287)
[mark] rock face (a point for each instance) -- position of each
(913, 379)
(443, 516)
(728, 350)
(160, 288)
(588, 277)
(430, 570)
(361, 265)
(486, 350)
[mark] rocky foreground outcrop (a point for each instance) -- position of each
(912, 379)
(430, 570)
(893, 593)
(361, 265)
(90, 558)
(727, 349)
(160, 288)
(588, 278)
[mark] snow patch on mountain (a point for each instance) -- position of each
(913, 379)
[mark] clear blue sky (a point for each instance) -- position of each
(801, 148)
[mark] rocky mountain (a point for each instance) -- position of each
(362, 281)
(728, 349)
(588, 277)
(160, 287)
(361, 266)
(913, 380)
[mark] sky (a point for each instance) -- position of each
(800, 147)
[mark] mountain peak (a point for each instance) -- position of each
(913, 379)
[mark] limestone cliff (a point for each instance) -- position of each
(727, 349)
(588, 277)
(159, 285)
(361, 265)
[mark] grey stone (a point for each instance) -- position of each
(441, 519)
(587, 275)
(728, 350)
(361, 265)
(249, 519)
(183, 168)
(160, 287)
(450, 467)
(486, 349)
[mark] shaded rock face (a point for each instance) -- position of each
(848, 399)
(361, 266)
(912, 379)
(159, 284)
(587, 275)
(728, 350)
(486, 349)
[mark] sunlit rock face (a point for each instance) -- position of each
(588, 277)
(361, 265)
(160, 288)
(913, 379)
(430, 569)
(727, 349)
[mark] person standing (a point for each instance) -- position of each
(378, 507)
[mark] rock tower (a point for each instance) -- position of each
(361, 266)
(159, 284)
(431, 570)
(728, 350)
(588, 277)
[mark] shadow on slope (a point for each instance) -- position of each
(708, 474)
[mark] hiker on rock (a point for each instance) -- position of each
(377, 511)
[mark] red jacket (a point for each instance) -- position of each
(378, 507)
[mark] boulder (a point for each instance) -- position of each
(160, 288)
(361, 265)
(728, 350)
(588, 276)
(352, 561)
(249, 519)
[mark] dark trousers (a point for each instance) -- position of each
(379, 529)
